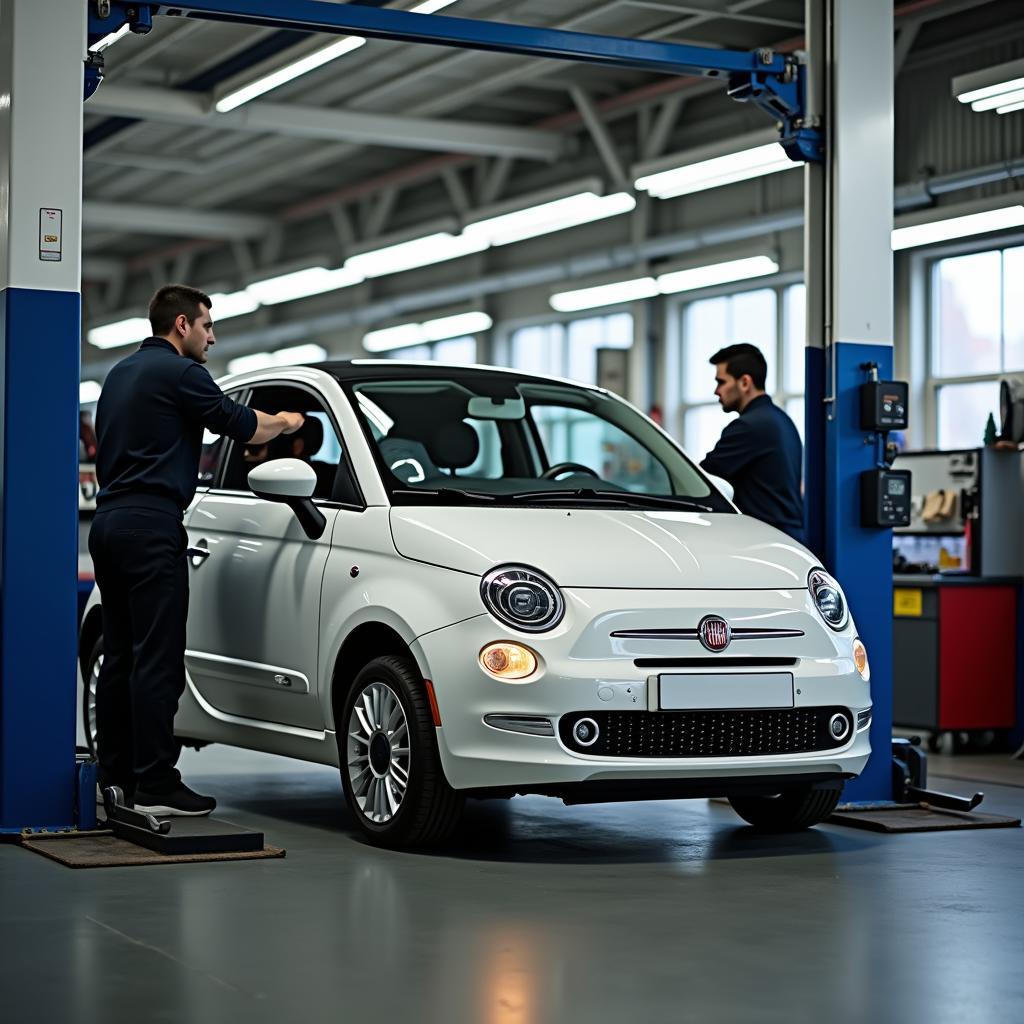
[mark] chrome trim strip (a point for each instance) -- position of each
(253, 723)
(526, 725)
(740, 633)
(274, 674)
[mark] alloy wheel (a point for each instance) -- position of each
(378, 752)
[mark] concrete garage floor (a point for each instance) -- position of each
(628, 913)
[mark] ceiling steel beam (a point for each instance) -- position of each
(170, 106)
(146, 219)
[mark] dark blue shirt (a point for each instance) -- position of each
(760, 454)
(149, 428)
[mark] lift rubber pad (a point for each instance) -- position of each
(919, 818)
(104, 850)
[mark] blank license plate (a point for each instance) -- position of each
(740, 690)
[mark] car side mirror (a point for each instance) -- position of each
(292, 482)
(723, 485)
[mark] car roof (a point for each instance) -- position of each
(395, 369)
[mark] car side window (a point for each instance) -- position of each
(317, 443)
(212, 451)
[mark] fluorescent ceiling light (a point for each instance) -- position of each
(716, 273)
(401, 336)
(253, 361)
(301, 284)
(582, 208)
(404, 335)
(417, 252)
(88, 392)
(430, 6)
(605, 295)
(456, 326)
(297, 354)
(666, 284)
(292, 356)
(720, 170)
(291, 71)
(110, 38)
(997, 103)
(957, 227)
(122, 332)
(224, 306)
(1010, 107)
(979, 86)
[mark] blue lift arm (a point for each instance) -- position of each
(774, 82)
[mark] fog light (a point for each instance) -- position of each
(860, 659)
(508, 661)
(839, 726)
(585, 732)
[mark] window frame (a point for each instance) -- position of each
(247, 390)
(672, 391)
(923, 324)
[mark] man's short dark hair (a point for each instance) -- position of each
(741, 359)
(170, 302)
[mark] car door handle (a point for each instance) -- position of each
(197, 555)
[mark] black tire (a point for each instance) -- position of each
(429, 809)
(790, 811)
(89, 665)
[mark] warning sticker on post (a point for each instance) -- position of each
(50, 235)
(907, 602)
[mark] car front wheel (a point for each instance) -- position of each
(390, 769)
(789, 811)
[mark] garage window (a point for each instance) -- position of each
(770, 318)
(455, 351)
(977, 334)
(568, 349)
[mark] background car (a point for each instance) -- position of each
(466, 581)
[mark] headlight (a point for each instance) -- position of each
(522, 598)
(828, 598)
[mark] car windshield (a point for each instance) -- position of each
(475, 438)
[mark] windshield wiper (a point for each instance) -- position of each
(625, 497)
(442, 492)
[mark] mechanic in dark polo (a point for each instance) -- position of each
(759, 452)
(150, 419)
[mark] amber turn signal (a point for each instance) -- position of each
(860, 658)
(508, 661)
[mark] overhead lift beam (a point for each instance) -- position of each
(774, 82)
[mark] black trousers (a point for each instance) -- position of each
(139, 561)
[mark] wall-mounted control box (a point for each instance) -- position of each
(883, 405)
(885, 497)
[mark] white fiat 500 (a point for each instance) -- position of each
(468, 582)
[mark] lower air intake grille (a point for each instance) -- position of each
(705, 733)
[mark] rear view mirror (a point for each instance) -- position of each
(480, 407)
(292, 482)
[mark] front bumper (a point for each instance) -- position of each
(584, 671)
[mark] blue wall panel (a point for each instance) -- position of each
(40, 332)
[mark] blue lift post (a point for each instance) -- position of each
(774, 82)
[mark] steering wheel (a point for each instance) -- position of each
(567, 467)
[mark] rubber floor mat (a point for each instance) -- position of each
(104, 850)
(918, 818)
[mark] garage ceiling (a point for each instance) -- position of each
(389, 135)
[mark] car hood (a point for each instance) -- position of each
(607, 548)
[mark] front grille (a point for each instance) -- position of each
(705, 733)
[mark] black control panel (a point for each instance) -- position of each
(883, 405)
(885, 497)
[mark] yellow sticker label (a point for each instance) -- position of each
(907, 602)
